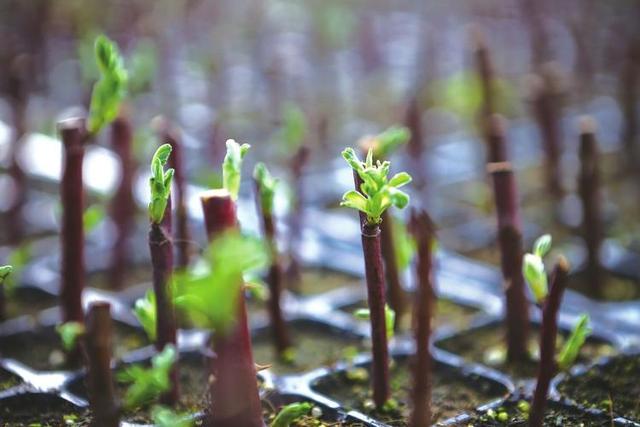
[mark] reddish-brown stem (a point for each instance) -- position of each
(511, 250)
(104, 408)
(546, 104)
(485, 71)
(589, 190)
(423, 310)
(495, 138)
(395, 293)
(74, 136)
(234, 392)
(161, 249)
(182, 234)
(549, 332)
(376, 299)
(298, 164)
(123, 206)
(279, 329)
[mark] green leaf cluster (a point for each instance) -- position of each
(574, 343)
(69, 333)
(209, 295)
(377, 192)
(145, 311)
(148, 383)
(110, 90)
(160, 183)
(267, 185)
(232, 167)
(533, 268)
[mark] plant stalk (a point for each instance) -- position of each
(511, 251)
(123, 205)
(590, 196)
(547, 367)
(298, 164)
(423, 311)
(161, 249)
(234, 397)
(74, 135)
(279, 328)
(104, 407)
(375, 295)
(395, 293)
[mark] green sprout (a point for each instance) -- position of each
(533, 268)
(109, 91)
(209, 295)
(389, 318)
(232, 165)
(10, 274)
(294, 127)
(165, 417)
(160, 183)
(267, 185)
(69, 333)
(5, 271)
(145, 312)
(148, 383)
(377, 192)
(385, 143)
(571, 348)
(291, 413)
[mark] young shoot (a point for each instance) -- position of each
(389, 318)
(574, 343)
(294, 127)
(165, 417)
(17, 260)
(210, 294)
(69, 333)
(267, 185)
(385, 143)
(291, 413)
(5, 271)
(533, 268)
(111, 89)
(148, 383)
(377, 192)
(232, 165)
(160, 183)
(145, 312)
(404, 244)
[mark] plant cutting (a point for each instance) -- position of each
(549, 298)
(161, 248)
(423, 313)
(382, 146)
(376, 194)
(266, 186)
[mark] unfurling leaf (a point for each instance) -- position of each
(291, 413)
(160, 183)
(69, 333)
(572, 346)
(232, 167)
(109, 91)
(145, 312)
(542, 245)
(267, 185)
(533, 271)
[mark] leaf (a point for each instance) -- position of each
(389, 141)
(18, 260)
(92, 216)
(145, 311)
(160, 183)
(165, 417)
(69, 333)
(533, 271)
(399, 198)
(266, 185)
(5, 270)
(572, 346)
(542, 245)
(232, 165)
(355, 200)
(290, 413)
(148, 383)
(400, 179)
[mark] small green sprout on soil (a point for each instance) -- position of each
(148, 383)
(291, 413)
(574, 343)
(145, 312)
(109, 91)
(389, 317)
(70, 333)
(160, 183)
(377, 192)
(232, 165)
(165, 417)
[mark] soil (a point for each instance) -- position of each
(452, 393)
(486, 345)
(615, 288)
(315, 346)
(29, 302)
(613, 386)
(8, 380)
(18, 411)
(447, 313)
(41, 348)
(555, 415)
